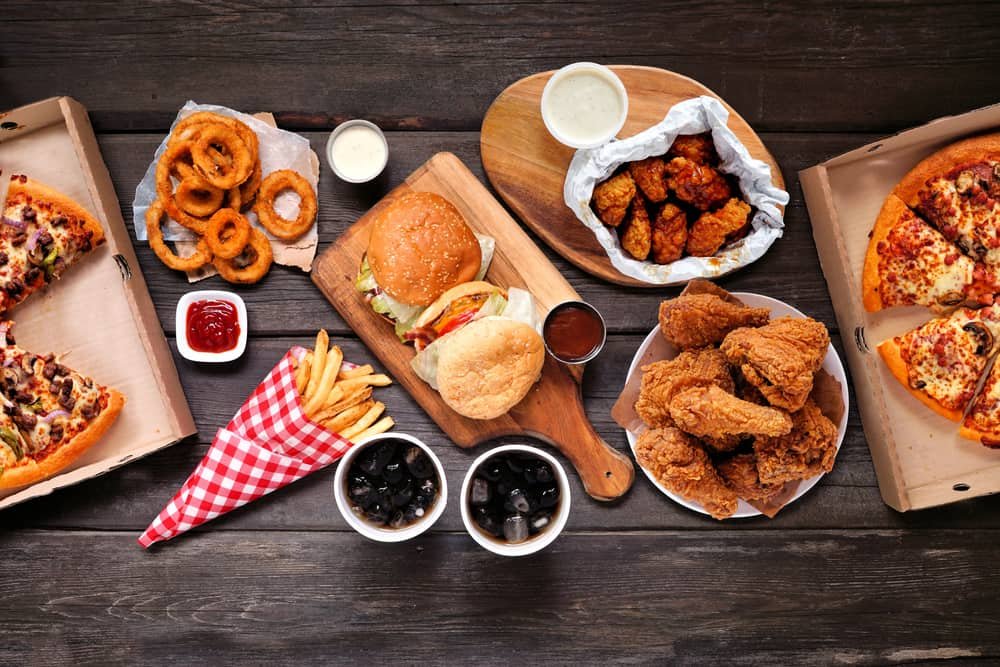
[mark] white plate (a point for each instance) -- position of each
(831, 364)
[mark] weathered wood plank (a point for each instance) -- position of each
(800, 65)
(697, 597)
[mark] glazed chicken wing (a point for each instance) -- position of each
(740, 472)
(806, 451)
(711, 411)
(648, 175)
(697, 184)
(670, 233)
(695, 147)
(680, 464)
(780, 358)
(711, 229)
(662, 379)
(636, 238)
(700, 320)
(613, 197)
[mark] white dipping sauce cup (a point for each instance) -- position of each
(552, 125)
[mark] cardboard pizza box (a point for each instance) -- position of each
(99, 314)
(919, 458)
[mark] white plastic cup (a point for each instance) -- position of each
(336, 168)
(539, 541)
(605, 73)
(380, 533)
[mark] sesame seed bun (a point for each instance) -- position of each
(488, 366)
(435, 310)
(420, 246)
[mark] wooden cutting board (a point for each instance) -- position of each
(553, 409)
(527, 166)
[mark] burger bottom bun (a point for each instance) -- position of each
(488, 366)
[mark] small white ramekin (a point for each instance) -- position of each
(181, 326)
(539, 541)
(563, 73)
(333, 136)
(378, 533)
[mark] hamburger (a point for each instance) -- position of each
(420, 247)
(479, 347)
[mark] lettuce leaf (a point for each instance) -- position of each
(487, 244)
(402, 315)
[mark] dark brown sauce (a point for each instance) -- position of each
(573, 332)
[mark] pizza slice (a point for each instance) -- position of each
(908, 262)
(963, 205)
(982, 423)
(43, 232)
(51, 413)
(941, 361)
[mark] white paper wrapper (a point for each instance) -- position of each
(701, 114)
(279, 149)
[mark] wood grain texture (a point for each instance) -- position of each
(527, 166)
(552, 409)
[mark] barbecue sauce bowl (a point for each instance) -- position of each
(574, 332)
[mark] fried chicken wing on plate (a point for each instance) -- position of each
(711, 229)
(808, 450)
(662, 379)
(740, 472)
(700, 320)
(648, 175)
(680, 464)
(670, 234)
(780, 358)
(636, 238)
(613, 197)
(710, 411)
(695, 147)
(697, 184)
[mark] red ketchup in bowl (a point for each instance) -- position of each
(213, 325)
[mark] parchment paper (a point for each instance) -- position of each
(279, 149)
(701, 114)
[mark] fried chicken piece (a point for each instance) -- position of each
(670, 233)
(636, 239)
(808, 450)
(697, 184)
(714, 412)
(648, 175)
(780, 358)
(695, 147)
(662, 379)
(711, 229)
(613, 197)
(740, 472)
(700, 320)
(680, 464)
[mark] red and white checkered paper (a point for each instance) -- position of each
(268, 444)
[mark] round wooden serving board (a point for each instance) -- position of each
(527, 166)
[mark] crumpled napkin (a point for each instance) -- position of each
(701, 114)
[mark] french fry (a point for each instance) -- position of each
(348, 417)
(353, 399)
(319, 362)
(333, 360)
(380, 426)
(366, 420)
(355, 372)
(302, 373)
(366, 380)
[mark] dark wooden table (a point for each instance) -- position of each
(836, 578)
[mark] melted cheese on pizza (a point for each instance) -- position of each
(960, 205)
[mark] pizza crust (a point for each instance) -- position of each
(37, 190)
(891, 354)
(974, 149)
(991, 440)
(892, 210)
(35, 471)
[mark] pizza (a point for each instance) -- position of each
(43, 233)
(936, 243)
(51, 414)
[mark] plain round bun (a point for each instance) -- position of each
(488, 366)
(420, 246)
(434, 310)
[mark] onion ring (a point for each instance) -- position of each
(189, 126)
(165, 188)
(258, 261)
(198, 198)
(154, 218)
(276, 183)
(227, 233)
(250, 187)
(221, 173)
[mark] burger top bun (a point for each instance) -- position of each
(421, 246)
(435, 310)
(487, 367)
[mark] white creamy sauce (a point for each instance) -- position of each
(584, 106)
(358, 152)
